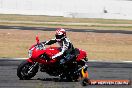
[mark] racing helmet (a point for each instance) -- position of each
(60, 34)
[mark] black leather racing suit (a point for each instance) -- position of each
(65, 45)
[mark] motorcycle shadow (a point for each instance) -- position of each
(54, 79)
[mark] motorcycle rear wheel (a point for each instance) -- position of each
(85, 82)
(23, 68)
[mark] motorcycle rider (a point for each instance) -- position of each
(66, 47)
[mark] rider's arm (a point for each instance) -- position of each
(64, 48)
(52, 41)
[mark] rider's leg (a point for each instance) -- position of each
(66, 58)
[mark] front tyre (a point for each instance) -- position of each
(26, 70)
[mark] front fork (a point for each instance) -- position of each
(34, 64)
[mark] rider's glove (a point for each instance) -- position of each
(53, 57)
(40, 44)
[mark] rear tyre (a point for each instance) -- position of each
(85, 82)
(23, 68)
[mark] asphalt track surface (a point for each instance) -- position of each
(97, 70)
(71, 30)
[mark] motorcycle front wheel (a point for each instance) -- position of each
(26, 70)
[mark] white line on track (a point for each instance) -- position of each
(88, 61)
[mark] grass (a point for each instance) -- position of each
(60, 19)
(99, 46)
(85, 23)
(106, 47)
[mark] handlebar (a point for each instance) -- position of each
(40, 46)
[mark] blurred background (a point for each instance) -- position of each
(109, 9)
(105, 26)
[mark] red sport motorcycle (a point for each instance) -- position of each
(40, 57)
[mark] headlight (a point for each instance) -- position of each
(30, 53)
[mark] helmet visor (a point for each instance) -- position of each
(59, 36)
